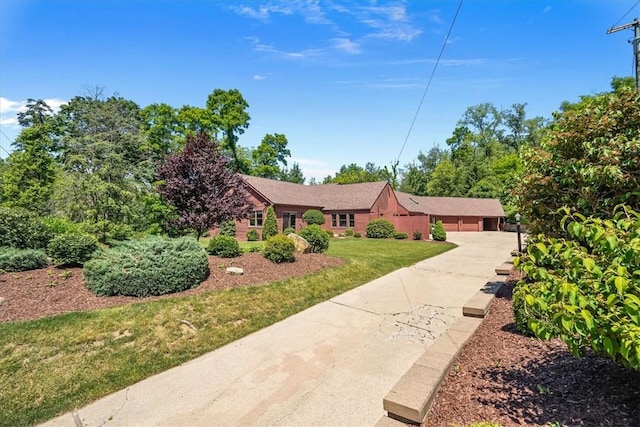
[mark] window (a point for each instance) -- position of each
(343, 220)
(255, 219)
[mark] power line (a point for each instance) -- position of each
(624, 16)
(433, 72)
(9, 139)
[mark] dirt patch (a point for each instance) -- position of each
(49, 291)
(505, 377)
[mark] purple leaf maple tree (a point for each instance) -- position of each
(202, 187)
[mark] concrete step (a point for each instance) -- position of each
(480, 303)
(504, 269)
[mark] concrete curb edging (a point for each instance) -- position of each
(410, 399)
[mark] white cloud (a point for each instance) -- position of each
(388, 22)
(547, 9)
(259, 77)
(9, 106)
(9, 121)
(9, 109)
(346, 45)
(307, 53)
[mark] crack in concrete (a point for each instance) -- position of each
(453, 273)
(112, 416)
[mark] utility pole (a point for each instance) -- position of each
(636, 44)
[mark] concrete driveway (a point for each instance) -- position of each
(330, 365)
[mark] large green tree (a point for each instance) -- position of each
(588, 161)
(270, 157)
(229, 109)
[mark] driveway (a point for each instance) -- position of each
(329, 365)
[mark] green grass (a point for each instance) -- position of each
(53, 365)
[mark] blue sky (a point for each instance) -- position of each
(341, 79)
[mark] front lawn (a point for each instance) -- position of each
(53, 365)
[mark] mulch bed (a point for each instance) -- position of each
(49, 291)
(505, 377)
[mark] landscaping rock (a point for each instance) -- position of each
(302, 246)
(236, 271)
(1, 300)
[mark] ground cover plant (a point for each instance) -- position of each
(118, 346)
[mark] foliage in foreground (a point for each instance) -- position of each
(153, 266)
(585, 290)
(137, 341)
(380, 228)
(270, 226)
(279, 248)
(14, 260)
(589, 161)
(21, 229)
(313, 216)
(317, 238)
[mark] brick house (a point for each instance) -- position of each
(352, 206)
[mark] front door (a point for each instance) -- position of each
(288, 220)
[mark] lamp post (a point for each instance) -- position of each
(518, 232)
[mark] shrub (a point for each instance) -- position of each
(438, 232)
(329, 233)
(313, 216)
(400, 236)
(59, 225)
(279, 248)
(13, 260)
(152, 266)
(585, 289)
(106, 231)
(289, 230)
(316, 237)
(23, 230)
(252, 235)
(270, 226)
(224, 247)
(72, 248)
(228, 228)
(380, 228)
(417, 235)
(253, 249)
(348, 232)
(357, 235)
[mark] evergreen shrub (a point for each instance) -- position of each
(438, 232)
(23, 230)
(60, 225)
(107, 231)
(316, 237)
(224, 247)
(289, 230)
(401, 236)
(313, 216)
(417, 235)
(252, 235)
(228, 228)
(14, 260)
(279, 248)
(380, 228)
(72, 248)
(329, 233)
(357, 235)
(151, 266)
(348, 232)
(270, 225)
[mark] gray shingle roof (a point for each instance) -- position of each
(326, 196)
(451, 206)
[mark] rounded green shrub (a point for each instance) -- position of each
(151, 266)
(329, 233)
(357, 235)
(380, 228)
(14, 260)
(417, 235)
(289, 230)
(60, 225)
(224, 247)
(316, 237)
(107, 231)
(23, 230)
(279, 248)
(313, 216)
(438, 232)
(252, 235)
(400, 236)
(72, 248)
(228, 228)
(270, 225)
(348, 232)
